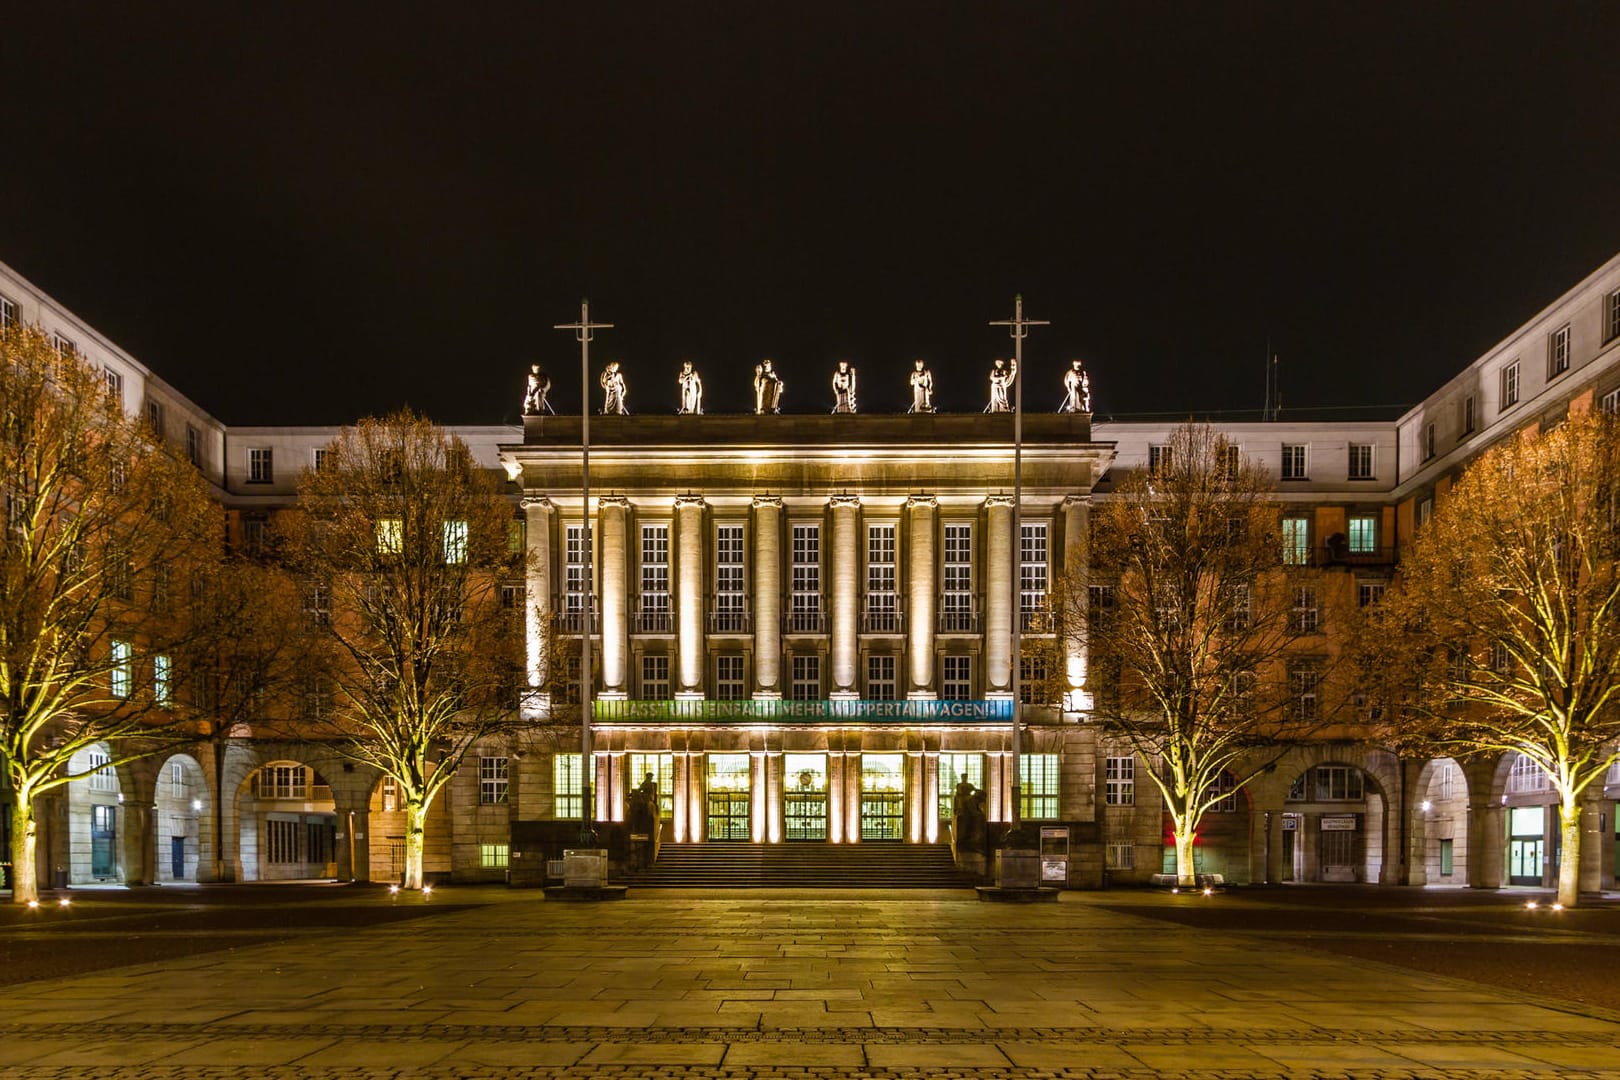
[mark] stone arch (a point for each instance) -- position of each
(92, 821)
(1338, 837)
(286, 821)
(1440, 823)
(182, 812)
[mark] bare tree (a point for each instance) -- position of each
(1200, 652)
(103, 528)
(1502, 633)
(411, 540)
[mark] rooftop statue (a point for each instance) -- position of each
(843, 385)
(534, 397)
(613, 390)
(768, 386)
(922, 388)
(1002, 374)
(691, 384)
(1076, 389)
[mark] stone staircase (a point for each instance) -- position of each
(802, 866)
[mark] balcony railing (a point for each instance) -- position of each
(882, 620)
(804, 622)
(654, 621)
(573, 622)
(958, 620)
(1338, 552)
(731, 621)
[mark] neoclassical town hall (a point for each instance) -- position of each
(807, 630)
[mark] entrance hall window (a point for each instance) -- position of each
(806, 684)
(1032, 571)
(958, 678)
(953, 769)
(494, 856)
(1296, 539)
(493, 778)
(662, 768)
(804, 608)
(654, 579)
(880, 680)
(1361, 461)
(881, 609)
(1038, 790)
(729, 684)
(956, 607)
(730, 603)
(574, 578)
(655, 677)
(567, 792)
(1119, 776)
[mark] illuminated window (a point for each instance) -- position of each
(1558, 352)
(1038, 787)
(1363, 534)
(655, 677)
(880, 679)
(1032, 576)
(390, 536)
(1526, 776)
(517, 536)
(730, 596)
(162, 670)
(953, 769)
(957, 684)
(454, 542)
(567, 791)
(494, 856)
(261, 465)
(729, 682)
(1510, 385)
(804, 610)
(806, 683)
(956, 614)
(1296, 541)
(121, 674)
(492, 780)
(1119, 776)
(1294, 461)
(654, 617)
(662, 768)
(881, 606)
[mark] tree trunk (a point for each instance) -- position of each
(24, 847)
(415, 827)
(1569, 856)
(1186, 871)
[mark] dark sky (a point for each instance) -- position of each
(298, 216)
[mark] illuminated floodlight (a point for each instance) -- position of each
(1426, 806)
(1208, 891)
(1558, 907)
(393, 890)
(196, 804)
(1531, 905)
(33, 905)
(64, 902)
(1175, 891)
(427, 891)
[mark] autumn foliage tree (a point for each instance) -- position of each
(1501, 634)
(103, 529)
(1198, 654)
(410, 540)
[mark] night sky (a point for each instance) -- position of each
(297, 216)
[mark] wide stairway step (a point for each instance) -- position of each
(802, 865)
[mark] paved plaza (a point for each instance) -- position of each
(486, 982)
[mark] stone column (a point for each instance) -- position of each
(922, 598)
(1597, 843)
(835, 796)
(603, 786)
(1077, 574)
(758, 796)
(354, 843)
(138, 843)
(1487, 843)
(613, 512)
(696, 792)
(537, 603)
(914, 797)
(852, 798)
(1274, 846)
(846, 596)
(689, 597)
(773, 796)
(931, 797)
(995, 786)
(767, 598)
(679, 807)
(999, 601)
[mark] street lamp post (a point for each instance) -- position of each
(584, 330)
(1018, 329)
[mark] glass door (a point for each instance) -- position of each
(729, 793)
(804, 796)
(102, 833)
(1526, 846)
(883, 796)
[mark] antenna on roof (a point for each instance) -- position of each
(1272, 409)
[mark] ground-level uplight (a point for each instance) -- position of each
(33, 905)
(64, 902)
(1531, 905)
(1208, 891)
(393, 890)
(427, 891)
(1558, 907)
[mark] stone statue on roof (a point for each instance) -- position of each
(534, 396)
(1002, 374)
(691, 384)
(843, 386)
(1076, 389)
(922, 388)
(768, 386)
(614, 390)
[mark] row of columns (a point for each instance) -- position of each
(845, 588)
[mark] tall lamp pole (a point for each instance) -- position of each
(584, 330)
(1018, 329)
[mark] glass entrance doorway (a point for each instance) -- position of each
(1526, 844)
(883, 796)
(102, 833)
(804, 796)
(729, 792)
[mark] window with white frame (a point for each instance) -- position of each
(1120, 855)
(574, 576)
(261, 465)
(284, 780)
(1510, 385)
(102, 776)
(1119, 779)
(1468, 418)
(1296, 541)
(1363, 534)
(957, 681)
(1038, 787)
(1304, 683)
(1425, 510)
(388, 794)
(1158, 459)
(730, 596)
(1610, 402)
(177, 780)
(321, 459)
(1558, 352)
(805, 684)
(662, 769)
(956, 614)
(121, 672)
(1229, 456)
(881, 606)
(953, 770)
(318, 698)
(1447, 779)
(1032, 575)
(1611, 316)
(1305, 615)
(804, 599)
(567, 788)
(154, 419)
(1525, 776)
(1032, 679)
(655, 677)
(729, 684)
(454, 542)
(390, 536)
(1295, 461)
(162, 684)
(1223, 789)
(494, 856)
(1239, 613)
(1361, 461)
(1369, 591)
(881, 684)
(193, 444)
(655, 579)
(493, 778)
(8, 312)
(65, 346)
(1242, 690)
(1502, 662)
